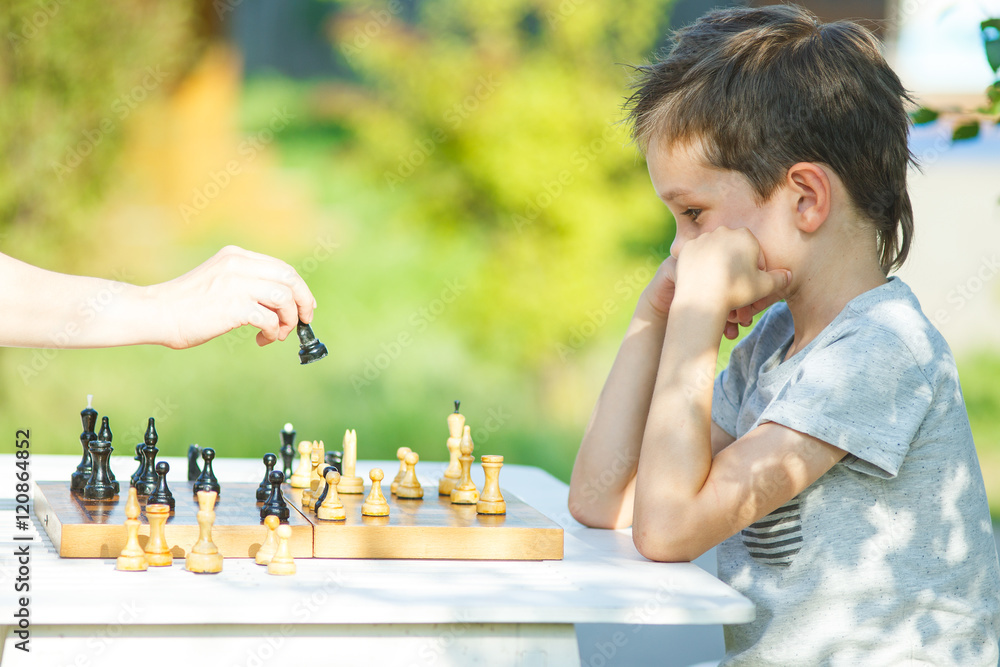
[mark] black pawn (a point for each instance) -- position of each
(146, 484)
(141, 458)
(194, 453)
(335, 460)
(206, 480)
(161, 495)
(275, 503)
(287, 450)
(79, 479)
(264, 490)
(100, 486)
(310, 349)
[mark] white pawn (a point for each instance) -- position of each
(332, 508)
(375, 504)
(282, 562)
(270, 544)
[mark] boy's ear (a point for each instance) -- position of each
(810, 183)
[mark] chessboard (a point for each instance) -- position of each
(431, 528)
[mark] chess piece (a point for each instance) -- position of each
(157, 553)
(137, 475)
(275, 504)
(350, 483)
(270, 543)
(264, 489)
(310, 349)
(161, 495)
(300, 479)
(194, 470)
(204, 556)
(330, 506)
(132, 558)
(206, 480)
(491, 499)
(281, 562)
(100, 486)
(335, 459)
(287, 449)
(456, 422)
(375, 504)
(310, 495)
(88, 416)
(465, 492)
(409, 487)
(105, 435)
(147, 483)
(322, 488)
(401, 455)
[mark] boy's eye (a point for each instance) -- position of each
(692, 213)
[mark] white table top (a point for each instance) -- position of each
(602, 578)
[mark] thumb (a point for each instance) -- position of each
(780, 278)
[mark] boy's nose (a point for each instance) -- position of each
(675, 247)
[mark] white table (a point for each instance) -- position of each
(333, 612)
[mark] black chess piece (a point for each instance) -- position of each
(206, 480)
(326, 487)
(79, 479)
(335, 460)
(146, 484)
(287, 450)
(105, 435)
(275, 503)
(194, 471)
(141, 458)
(161, 495)
(264, 490)
(310, 349)
(100, 486)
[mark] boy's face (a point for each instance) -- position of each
(703, 198)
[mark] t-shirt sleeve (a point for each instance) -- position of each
(731, 384)
(863, 393)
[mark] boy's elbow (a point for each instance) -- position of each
(594, 515)
(664, 543)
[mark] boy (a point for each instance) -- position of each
(832, 458)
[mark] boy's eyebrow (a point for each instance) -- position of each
(671, 195)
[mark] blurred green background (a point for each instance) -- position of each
(450, 177)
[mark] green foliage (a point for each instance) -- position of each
(500, 122)
(71, 73)
(966, 130)
(924, 115)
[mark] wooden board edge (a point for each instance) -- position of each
(47, 517)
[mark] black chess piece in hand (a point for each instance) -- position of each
(310, 349)
(206, 480)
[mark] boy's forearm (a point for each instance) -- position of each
(604, 472)
(676, 455)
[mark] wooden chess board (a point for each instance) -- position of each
(431, 528)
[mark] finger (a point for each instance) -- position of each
(731, 331)
(252, 263)
(744, 316)
(264, 319)
(279, 298)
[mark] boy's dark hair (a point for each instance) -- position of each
(765, 88)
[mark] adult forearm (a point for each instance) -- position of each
(47, 309)
(604, 472)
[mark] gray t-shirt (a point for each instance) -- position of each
(889, 557)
